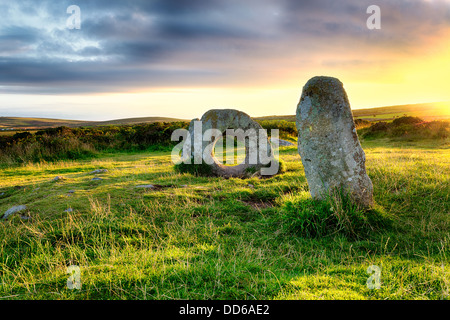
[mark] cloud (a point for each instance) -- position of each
(125, 46)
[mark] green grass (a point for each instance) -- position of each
(211, 238)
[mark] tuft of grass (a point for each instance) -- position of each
(302, 215)
(407, 128)
(282, 167)
(201, 169)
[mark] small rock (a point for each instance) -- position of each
(96, 179)
(58, 178)
(13, 210)
(281, 143)
(71, 191)
(68, 210)
(146, 186)
(99, 171)
(2, 194)
(251, 186)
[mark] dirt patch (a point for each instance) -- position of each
(258, 205)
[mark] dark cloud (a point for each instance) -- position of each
(127, 45)
(57, 77)
(16, 39)
(407, 21)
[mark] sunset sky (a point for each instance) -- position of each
(180, 58)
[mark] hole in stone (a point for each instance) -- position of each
(229, 150)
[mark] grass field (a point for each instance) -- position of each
(210, 238)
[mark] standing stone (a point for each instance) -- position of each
(328, 143)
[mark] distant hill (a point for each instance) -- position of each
(287, 118)
(39, 123)
(135, 121)
(18, 122)
(426, 111)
